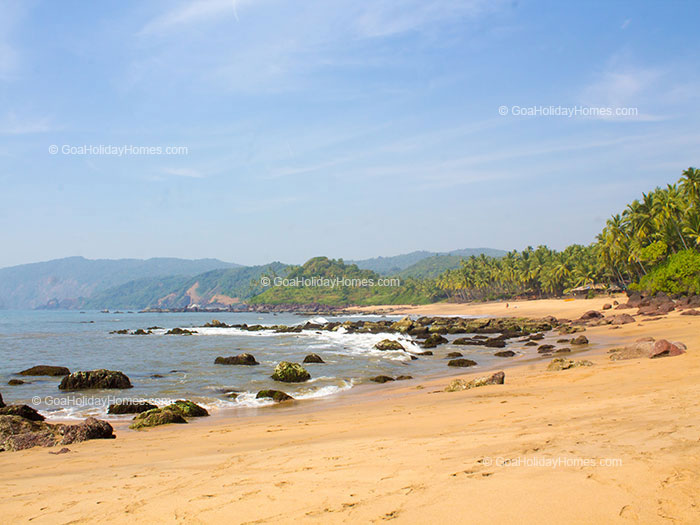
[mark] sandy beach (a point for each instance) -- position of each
(615, 442)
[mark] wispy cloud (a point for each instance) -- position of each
(190, 13)
(11, 124)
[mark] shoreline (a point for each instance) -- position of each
(409, 452)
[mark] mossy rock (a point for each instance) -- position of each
(433, 341)
(389, 344)
(187, 408)
(95, 379)
(156, 417)
(287, 372)
(461, 362)
(276, 395)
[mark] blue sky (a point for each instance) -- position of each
(341, 128)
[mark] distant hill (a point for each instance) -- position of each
(397, 263)
(64, 281)
(431, 267)
(220, 287)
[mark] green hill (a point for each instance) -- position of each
(397, 263)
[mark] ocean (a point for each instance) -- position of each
(163, 368)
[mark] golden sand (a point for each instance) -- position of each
(618, 442)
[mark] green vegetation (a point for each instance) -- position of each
(680, 274)
(431, 267)
(399, 263)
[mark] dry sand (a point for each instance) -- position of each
(409, 453)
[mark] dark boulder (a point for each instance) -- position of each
(24, 411)
(156, 417)
(495, 343)
(95, 379)
(2, 403)
(276, 395)
(130, 407)
(433, 341)
(45, 370)
(544, 348)
(187, 408)
(381, 379)
(505, 353)
(241, 359)
(15, 382)
(452, 355)
(662, 348)
(91, 428)
(313, 358)
(18, 433)
(403, 378)
(461, 362)
(180, 331)
(580, 340)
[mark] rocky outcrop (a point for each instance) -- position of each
(389, 344)
(45, 370)
(313, 358)
(433, 341)
(180, 331)
(19, 433)
(24, 411)
(561, 363)
(460, 384)
(461, 362)
(130, 407)
(276, 395)
(287, 372)
(241, 359)
(95, 379)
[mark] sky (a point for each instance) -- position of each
(341, 128)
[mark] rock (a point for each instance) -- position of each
(505, 353)
(45, 370)
(403, 378)
(187, 408)
(544, 348)
(64, 450)
(276, 395)
(402, 326)
(156, 376)
(141, 331)
(180, 331)
(562, 340)
(215, 323)
(690, 312)
(563, 351)
(468, 341)
(591, 314)
(24, 411)
(2, 403)
(91, 428)
(313, 358)
(427, 352)
(452, 355)
(461, 362)
(130, 408)
(561, 363)
(156, 417)
(18, 433)
(241, 359)
(636, 350)
(530, 343)
(381, 379)
(433, 341)
(460, 384)
(580, 340)
(495, 343)
(661, 348)
(287, 372)
(570, 329)
(607, 306)
(95, 379)
(15, 382)
(389, 344)
(621, 319)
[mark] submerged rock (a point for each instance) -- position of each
(287, 372)
(389, 344)
(130, 407)
(461, 362)
(95, 379)
(15, 382)
(452, 355)
(180, 331)
(45, 370)
(275, 395)
(313, 358)
(381, 379)
(241, 359)
(460, 384)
